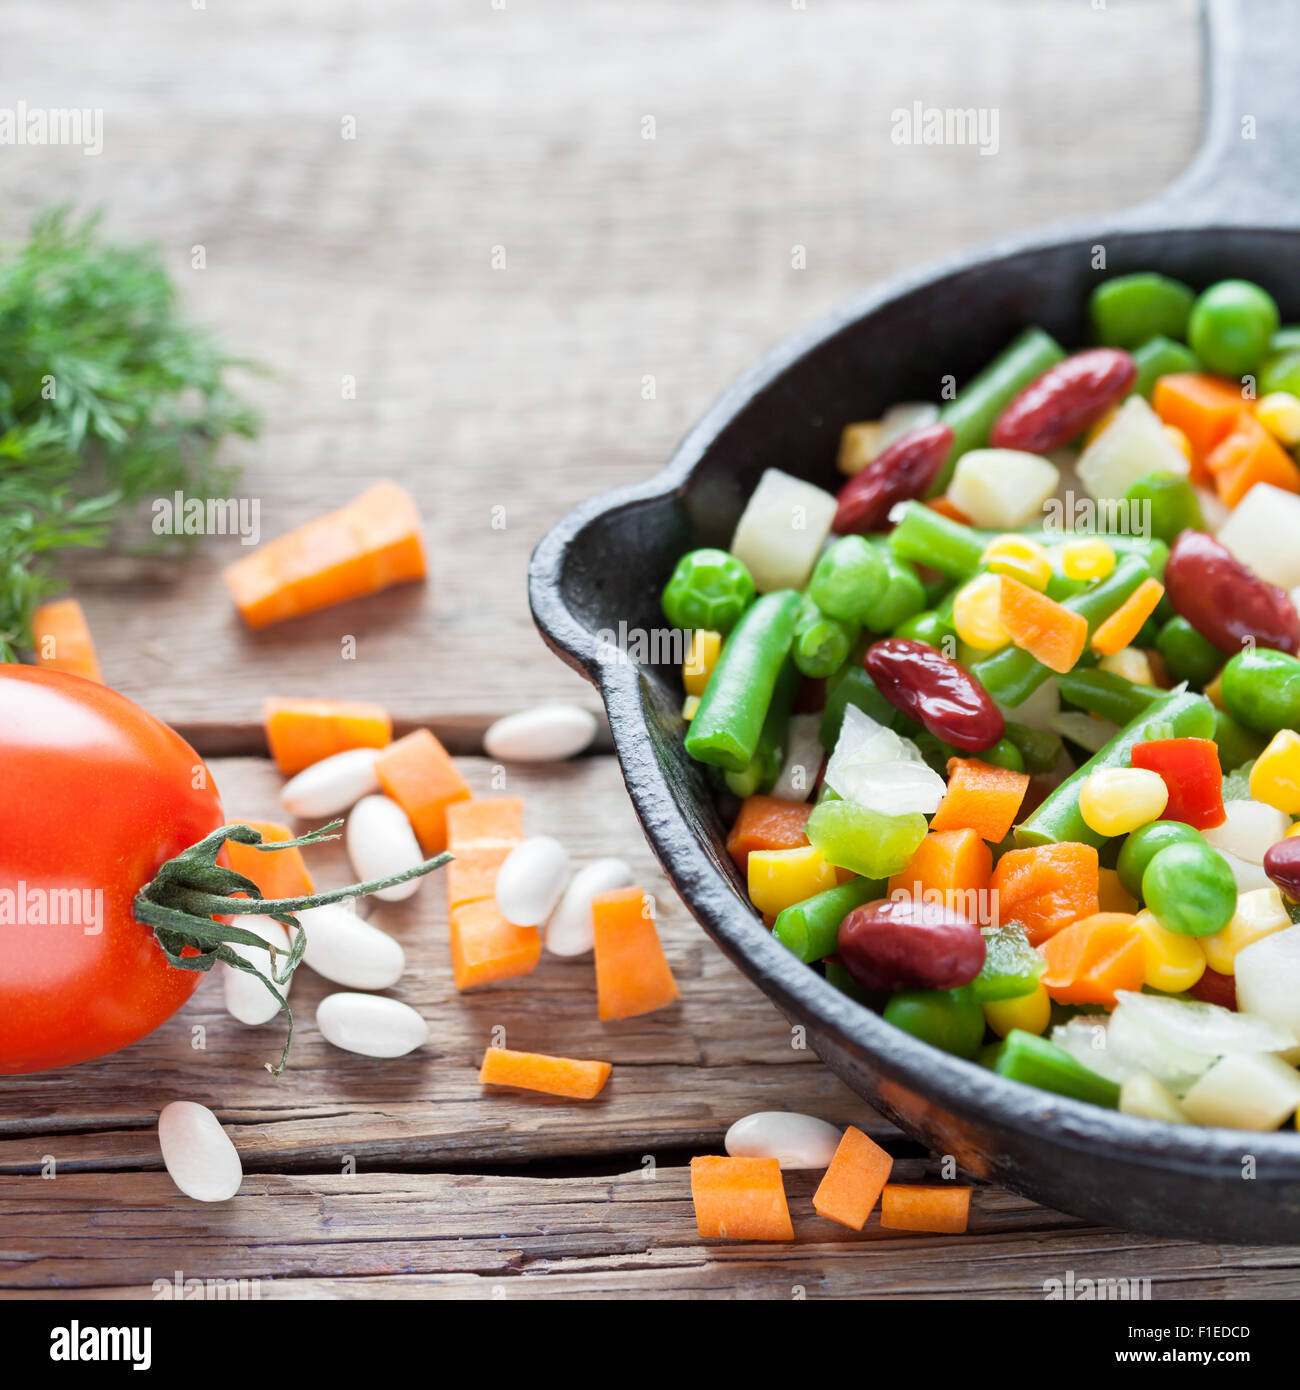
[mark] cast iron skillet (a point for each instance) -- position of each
(1234, 213)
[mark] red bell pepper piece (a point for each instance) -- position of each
(1190, 768)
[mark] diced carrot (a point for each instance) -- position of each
(552, 1076)
(472, 874)
(1247, 455)
(740, 1199)
(949, 866)
(980, 797)
(1112, 896)
(418, 773)
(1092, 958)
(632, 973)
(279, 873)
(302, 732)
(1124, 624)
(948, 508)
(486, 824)
(942, 1208)
(767, 822)
(1046, 887)
(1048, 631)
(1204, 407)
(485, 947)
(851, 1186)
(62, 642)
(369, 544)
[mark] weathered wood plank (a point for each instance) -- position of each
(681, 1076)
(508, 395)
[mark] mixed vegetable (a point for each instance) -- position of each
(1014, 720)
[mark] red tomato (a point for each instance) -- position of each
(94, 795)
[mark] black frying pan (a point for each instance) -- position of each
(1236, 212)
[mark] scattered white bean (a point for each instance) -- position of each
(794, 1140)
(371, 1024)
(531, 880)
(570, 931)
(198, 1153)
(331, 785)
(547, 733)
(346, 949)
(380, 841)
(247, 998)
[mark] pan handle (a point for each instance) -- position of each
(1247, 172)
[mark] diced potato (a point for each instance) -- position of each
(1268, 979)
(864, 441)
(1245, 1090)
(1003, 489)
(859, 444)
(1134, 444)
(1143, 1095)
(781, 531)
(1261, 532)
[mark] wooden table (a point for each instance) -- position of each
(638, 276)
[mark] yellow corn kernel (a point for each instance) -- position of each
(1031, 1012)
(859, 445)
(1259, 913)
(1090, 559)
(701, 658)
(1097, 426)
(779, 878)
(1279, 413)
(975, 613)
(1174, 962)
(1130, 662)
(1180, 439)
(1112, 896)
(1275, 778)
(1020, 557)
(689, 705)
(1116, 800)
(1295, 830)
(1214, 691)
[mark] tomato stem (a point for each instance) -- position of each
(180, 901)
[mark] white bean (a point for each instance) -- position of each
(531, 880)
(247, 998)
(544, 734)
(570, 931)
(371, 1024)
(331, 785)
(380, 841)
(794, 1140)
(198, 1153)
(346, 949)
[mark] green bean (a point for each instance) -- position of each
(1159, 357)
(979, 403)
(903, 598)
(849, 579)
(811, 928)
(1187, 655)
(1132, 309)
(821, 643)
(1037, 1062)
(1237, 744)
(729, 721)
(926, 537)
(1012, 675)
(1059, 819)
(1106, 694)
(1040, 749)
(762, 770)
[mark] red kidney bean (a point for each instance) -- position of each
(1282, 865)
(903, 471)
(1064, 401)
(1224, 601)
(1213, 988)
(935, 691)
(906, 943)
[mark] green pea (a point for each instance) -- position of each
(949, 1019)
(926, 626)
(1159, 357)
(709, 589)
(1168, 501)
(821, 643)
(1230, 327)
(1281, 372)
(1190, 888)
(1130, 309)
(849, 579)
(1004, 753)
(903, 596)
(1188, 656)
(1261, 688)
(1142, 846)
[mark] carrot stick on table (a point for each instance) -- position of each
(418, 773)
(853, 1182)
(369, 544)
(279, 873)
(302, 732)
(740, 1199)
(632, 974)
(536, 1071)
(62, 642)
(942, 1208)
